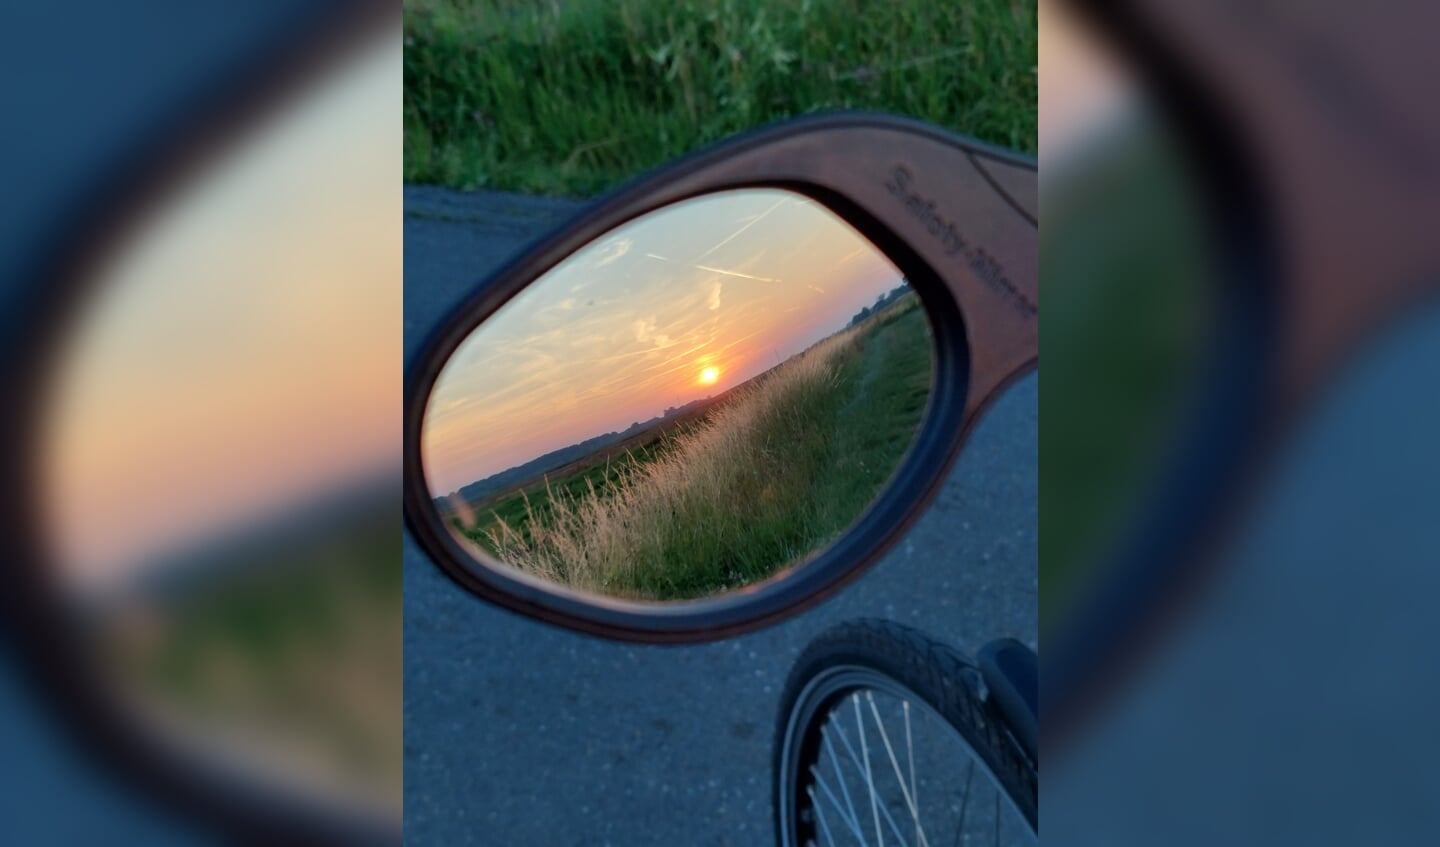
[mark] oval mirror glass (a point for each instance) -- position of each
(693, 403)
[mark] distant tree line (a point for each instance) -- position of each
(881, 302)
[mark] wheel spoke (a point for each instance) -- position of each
(910, 756)
(861, 764)
(899, 777)
(820, 816)
(835, 765)
(852, 822)
(869, 778)
(965, 801)
(950, 791)
(893, 826)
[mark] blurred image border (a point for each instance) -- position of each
(47, 634)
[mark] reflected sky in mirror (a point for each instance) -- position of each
(671, 308)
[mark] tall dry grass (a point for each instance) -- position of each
(726, 504)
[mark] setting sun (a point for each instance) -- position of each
(633, 331)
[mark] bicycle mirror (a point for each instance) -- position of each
(721, 393)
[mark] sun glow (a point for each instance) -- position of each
(709, 375)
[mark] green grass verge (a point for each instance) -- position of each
(773, 474)
(572, 98)
(1123, 268)
(535, 500)
(297, 657)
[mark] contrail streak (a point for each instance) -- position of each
(737, 232)
(714, 270)
(735, 273)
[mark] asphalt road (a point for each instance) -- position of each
(520, 733)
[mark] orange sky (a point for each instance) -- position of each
(242, 355)
(1082, 92)
(736, 281)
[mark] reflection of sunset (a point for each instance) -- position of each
(1082, 90)
(240, 354)
(675, 307)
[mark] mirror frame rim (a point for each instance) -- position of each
(951, 413)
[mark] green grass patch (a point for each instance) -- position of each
(1123, 268)
(877, 425)
(297, 656)
(770, 475)
(573, 98)
(533, 502)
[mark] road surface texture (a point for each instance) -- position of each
(520, 733)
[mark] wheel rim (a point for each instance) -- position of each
(866, 761)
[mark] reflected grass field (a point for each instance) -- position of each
(572, 98)
(770, 473)
(1123, 271)
(292, 663)
(600, 472)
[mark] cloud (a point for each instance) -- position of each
(851, 256)
(644, 329)
(645, 333)
(713, 302)
(612, 250)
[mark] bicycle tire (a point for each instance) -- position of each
(886, 656)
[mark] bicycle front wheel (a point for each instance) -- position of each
(884, 738)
